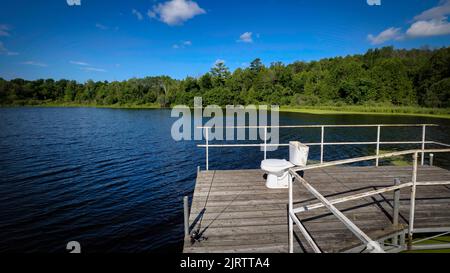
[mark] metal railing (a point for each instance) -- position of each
(370, 245)
(423, 142)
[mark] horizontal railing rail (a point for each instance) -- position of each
(366, 158)
(423, 142)
(318, 126)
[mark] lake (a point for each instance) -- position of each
(114, 179)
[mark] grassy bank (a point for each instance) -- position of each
(318, 110)
(377, 110)
(440, 240)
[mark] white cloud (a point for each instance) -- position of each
(79, 63)
(183, 44)
(5, 51)
(94, 69)
(73, 2)
(4, 30)
(386, 35)
(175, 12)
(33, 63)
(100, 26)
(246, 37)
(88, 67)
(435, 13)
(138, 15)
(433, 27)
(431, 22)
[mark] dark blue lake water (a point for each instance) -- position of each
(114, 179)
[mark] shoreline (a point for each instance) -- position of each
(373, 111)
(318, 110)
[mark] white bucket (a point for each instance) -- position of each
(298, 153)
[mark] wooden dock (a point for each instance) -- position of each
(237, 213)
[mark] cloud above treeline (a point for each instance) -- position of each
(182, 44)
(246, 37)
(87, 67)
(79, 63)
(431, 22)
(386, 35)
(435, 27)
(101, 26)
(175, 12)
(34, 63)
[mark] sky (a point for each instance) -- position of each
(117, 40)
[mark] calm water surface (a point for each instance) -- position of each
(114, 179)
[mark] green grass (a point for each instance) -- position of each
(399, 161)
(318, 110)
(376, 110)
(440, 240)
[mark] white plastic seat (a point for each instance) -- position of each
(277, 170)
(276, 165)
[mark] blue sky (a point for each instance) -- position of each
(117, 40)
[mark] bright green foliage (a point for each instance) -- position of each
(385, 76)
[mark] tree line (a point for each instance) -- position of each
(384, 76)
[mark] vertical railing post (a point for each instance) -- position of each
(431, 160)
(291, 223)
(378, 144)
(396, 209)
(413, 201)
(265, 142)
(322, 138)
(402, 238)
(207, 148)
(186, 216)
(424, 130)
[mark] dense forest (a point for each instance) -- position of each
(385, 76)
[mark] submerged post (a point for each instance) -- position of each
(413, 201)
(431, 160)
(378, 144)
(321, 144)
(396, 209)
(186, 216)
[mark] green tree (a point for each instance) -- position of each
(220, 73)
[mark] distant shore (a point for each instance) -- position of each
(443, 113)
